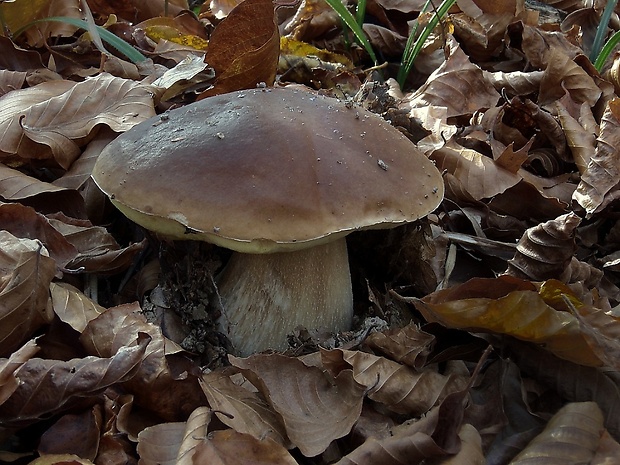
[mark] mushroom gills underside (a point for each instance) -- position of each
(267, 296)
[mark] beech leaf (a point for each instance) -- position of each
(51, 386)
(315, 408)
(244, 48)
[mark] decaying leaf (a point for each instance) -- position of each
(174, 443)
(244, 48)
(228, 446)
(396, 386)
(37, 396)
(26, 271)
(315, 408)
(571, 436)
(241, 409)
(61, 115)
(545, 251)
(510, 306)
(603, 170)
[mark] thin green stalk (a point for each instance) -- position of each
(112, 40)
(601, 30)
(609, 47)
(352, 24)
(360, 12)
(412, 51)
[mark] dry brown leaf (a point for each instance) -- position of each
(50, 386)
(242, 410)
(510, 306)
(396, 386)
(412, 442)
(545, 251)
(62, 114)
(564, 75)
(458, 85)
(244, 48)
(174, 443)
(480, 175)
(580, 140)
(515, 83)
(97, 250)
(603, 169)
(72, 306)
(8, 381)
(22, 221)
(409, 345)
(602, 331)
(60, 459)
(15, 185)
(162, 383)
(76, 434)
(537, 44)
(26, 271)
(80, 170)
(315, 408)
(576, 383)
(571, 437)
(229, 447)
(471, 448)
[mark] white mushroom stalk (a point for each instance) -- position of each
(280, 177)
(266, 296)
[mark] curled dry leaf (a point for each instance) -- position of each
(480, 175)
(458, 85)
(77, 434)
(576, 383)
(396, 386)
(409, 345)
(545, 251)
(26, 272)
(228, 446)
(603, 170)
(244, 48)
(48, 387)
(564, 75)
(62, 114)
(581, 140)
(97, 250)
(315, 408)
(515, 83)
(174, 443)
(242, 410)
(72, 306)
(602, 331)
(8, 381)
(162, 383)
(510, 306)
(571, 437)
(14, 185)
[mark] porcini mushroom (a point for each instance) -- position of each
(280, 177)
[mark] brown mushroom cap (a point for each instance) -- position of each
(267, 170)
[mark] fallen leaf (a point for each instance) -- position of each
(244, 48)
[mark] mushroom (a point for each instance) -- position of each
(280, 177)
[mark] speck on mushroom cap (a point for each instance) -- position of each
(267, 170)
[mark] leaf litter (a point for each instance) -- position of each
(106, 332)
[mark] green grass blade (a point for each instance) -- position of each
(352, 24)
(360, 12)
(113, 41)
(609, 47)
(601, 30)
(412, 50)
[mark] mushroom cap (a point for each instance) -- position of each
(267, 170)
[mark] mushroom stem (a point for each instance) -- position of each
(266, 296)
